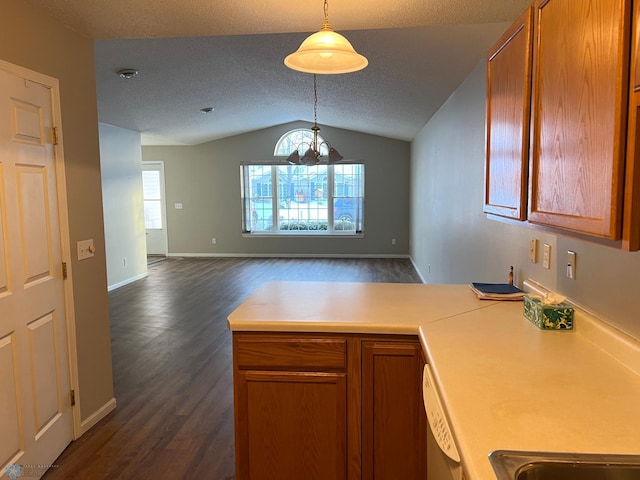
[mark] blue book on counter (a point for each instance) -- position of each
(497, 291)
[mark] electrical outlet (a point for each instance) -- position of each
(214, 241)
(546, 256)
(393, 241)
(533, 250)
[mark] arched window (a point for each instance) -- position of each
(300, 138)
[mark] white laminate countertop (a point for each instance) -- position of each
(505, 384)
(351, 307)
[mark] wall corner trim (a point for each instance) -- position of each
(96, 416)
(415, 265)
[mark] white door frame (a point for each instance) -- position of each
(163, 203)
(63, 218)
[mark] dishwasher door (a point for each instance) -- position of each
(443, 459)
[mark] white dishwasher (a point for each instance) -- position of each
(443, 459)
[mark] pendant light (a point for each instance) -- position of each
(312, 153)
(326, 52)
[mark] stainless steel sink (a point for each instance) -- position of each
(518, 465)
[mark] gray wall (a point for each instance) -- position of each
(31, 39)
(121, 163)
(206, 180)
(453, 242)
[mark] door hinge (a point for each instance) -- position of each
(54, 135)
(65, 272)
(72, 396)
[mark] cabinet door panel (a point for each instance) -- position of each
(578, 115)
(291, 425)
(393, 431)
(508, 112)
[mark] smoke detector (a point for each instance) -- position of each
(127, 73)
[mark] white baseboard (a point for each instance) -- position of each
(98, 415)
(127, 281)
(286, 255)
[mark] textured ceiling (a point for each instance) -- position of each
(229, 55)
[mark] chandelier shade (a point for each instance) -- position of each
(326, 52)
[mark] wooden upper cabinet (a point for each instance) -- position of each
(579, 115)
(635, 64)
(508, 112)
(631, 221)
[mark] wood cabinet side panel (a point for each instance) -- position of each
(631, 214)
(423, 421)
(635, 63)
(354, 409)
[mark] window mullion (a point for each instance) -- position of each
(275, 198)
(245, 197)
(330, 201)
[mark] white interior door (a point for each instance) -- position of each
(155, 212)
(36, 421)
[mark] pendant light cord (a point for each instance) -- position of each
(326, 25)
(315, 100)
(316, 147)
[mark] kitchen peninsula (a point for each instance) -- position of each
(345, 359)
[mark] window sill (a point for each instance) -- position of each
(303, 234)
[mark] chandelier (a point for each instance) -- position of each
(312, 153)
(326, 52)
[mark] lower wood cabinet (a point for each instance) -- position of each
(393, 415)
(328, 407)
(290, 406)
(293, 425)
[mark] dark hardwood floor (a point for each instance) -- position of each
(172, 365)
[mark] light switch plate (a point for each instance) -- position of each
(533, 250)
(86, 249)
(571, 264)
(546, 256)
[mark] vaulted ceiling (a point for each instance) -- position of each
(229, 55)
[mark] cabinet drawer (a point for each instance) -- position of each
(289, 352)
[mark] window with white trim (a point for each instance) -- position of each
(303, 199)
(152, 199)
